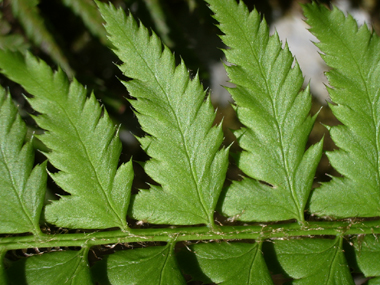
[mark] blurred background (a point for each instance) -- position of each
(69, 33)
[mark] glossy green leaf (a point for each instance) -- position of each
(353, 54)
(84, 145)
(367, 251)
(275, 113)
(172, 109)
(225, 263)
(22, 187)
(151, 265)
(314, 261)
(66, 267)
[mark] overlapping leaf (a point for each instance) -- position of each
(171, 108)
(151, 265)
(27, 13)
(86, 9)
(276, 117)
(314, 261)
(65, 267)
(226, 263)
(367, 250)
(84, 146)
(353, 54)
(22, 188)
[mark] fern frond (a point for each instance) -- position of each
(172, 109)
(22, 187)
(62, 267)
(151, 265)
(84, 146)
(27, 13)
(353, 54)
(226, 263)
(87, 11)
(276, 117)
(312, 261)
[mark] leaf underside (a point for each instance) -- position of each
(66, 267)
(226, 263)
(367, 249)
(312, 261)
(152, 265)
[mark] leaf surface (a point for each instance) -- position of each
(172, 109)
(275, 113)
(226, 263)
(353, 54)
(3, 276)
(22, 186)
(151, 265)
(84, 145)
(14, 42)
(66, 267)
(314, 261)
(374, 281)
(367, 251)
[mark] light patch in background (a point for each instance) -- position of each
(291, 28)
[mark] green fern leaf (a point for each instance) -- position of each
(152, 265)
(172, 109)
(22, 187)
(13, 43)
(354, 58)
(374, 281)
(3, 276)
(312, 261)
(226, 263)
(65, 267)
(27, 13)
(367, 250)
(276, 117)
(84, 146)
(87, 11)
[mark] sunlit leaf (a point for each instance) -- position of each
(184, 147)
(276, 115)
(84, 145)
